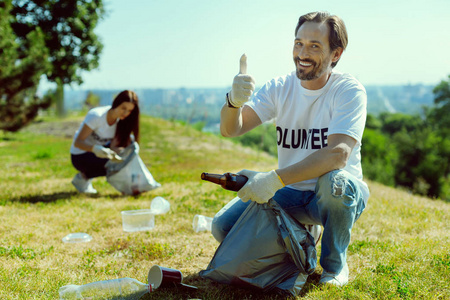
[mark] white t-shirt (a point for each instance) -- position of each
(305, 118)
(102, 132)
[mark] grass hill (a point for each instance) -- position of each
(399, 250)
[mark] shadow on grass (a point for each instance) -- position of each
(311, 284)
(47, 198)
(208, 289)
(41, 198)
(7, 138)
(113, 196)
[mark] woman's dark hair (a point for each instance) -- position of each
(338, 32)
(131, 123)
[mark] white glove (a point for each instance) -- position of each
(260, 187)
(103, 152)
(243, 85)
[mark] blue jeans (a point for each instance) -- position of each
(336, 204)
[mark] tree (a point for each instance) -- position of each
(410, 151)
(378, 156)
(68, 27)
(373, 122)
(92, 100)
(395, 122)
(440, 114)
(439, 118)
(423, 161)
(263, 137)
(22, 63)
(442, 93)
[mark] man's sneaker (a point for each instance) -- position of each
(337, 280)
(82, 185)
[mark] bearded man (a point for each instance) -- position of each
(320, 116)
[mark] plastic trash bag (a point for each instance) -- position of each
(266, 249)
(130, 175)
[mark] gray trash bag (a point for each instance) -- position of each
(266, 249)
(130, 175)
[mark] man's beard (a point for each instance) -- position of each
(316, 72)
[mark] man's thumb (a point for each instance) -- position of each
(243, 64)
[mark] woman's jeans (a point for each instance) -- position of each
(89, 164)
(336, 204)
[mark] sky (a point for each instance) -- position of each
(198, 43)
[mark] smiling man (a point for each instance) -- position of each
(320, 116)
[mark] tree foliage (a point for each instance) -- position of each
(43, 37)
(395, 122)
(22, 62)
(439, 116)
(92, 100)
(411, 151)
(263, 137)
(379, 156)
(68, 27)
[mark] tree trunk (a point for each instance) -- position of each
(59, 95)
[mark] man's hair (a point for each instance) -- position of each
(337, 32)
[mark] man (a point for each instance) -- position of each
(320, 116)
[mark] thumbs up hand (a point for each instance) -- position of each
(243, 85)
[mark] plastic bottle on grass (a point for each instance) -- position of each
(119, 289)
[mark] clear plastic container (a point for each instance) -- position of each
(159, 205)
(201, 223)
(78, 237)
(138, 220)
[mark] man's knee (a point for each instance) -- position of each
(336, 185)
(217, 230)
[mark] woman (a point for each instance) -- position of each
(104, 132)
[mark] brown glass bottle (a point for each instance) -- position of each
(229, 181)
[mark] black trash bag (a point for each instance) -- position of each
(266, 249)
(130, 175)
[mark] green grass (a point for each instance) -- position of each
(399, 250)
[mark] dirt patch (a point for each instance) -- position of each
(65, 129)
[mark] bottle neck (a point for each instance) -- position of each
(214, 178)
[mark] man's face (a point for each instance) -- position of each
(312, 55)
